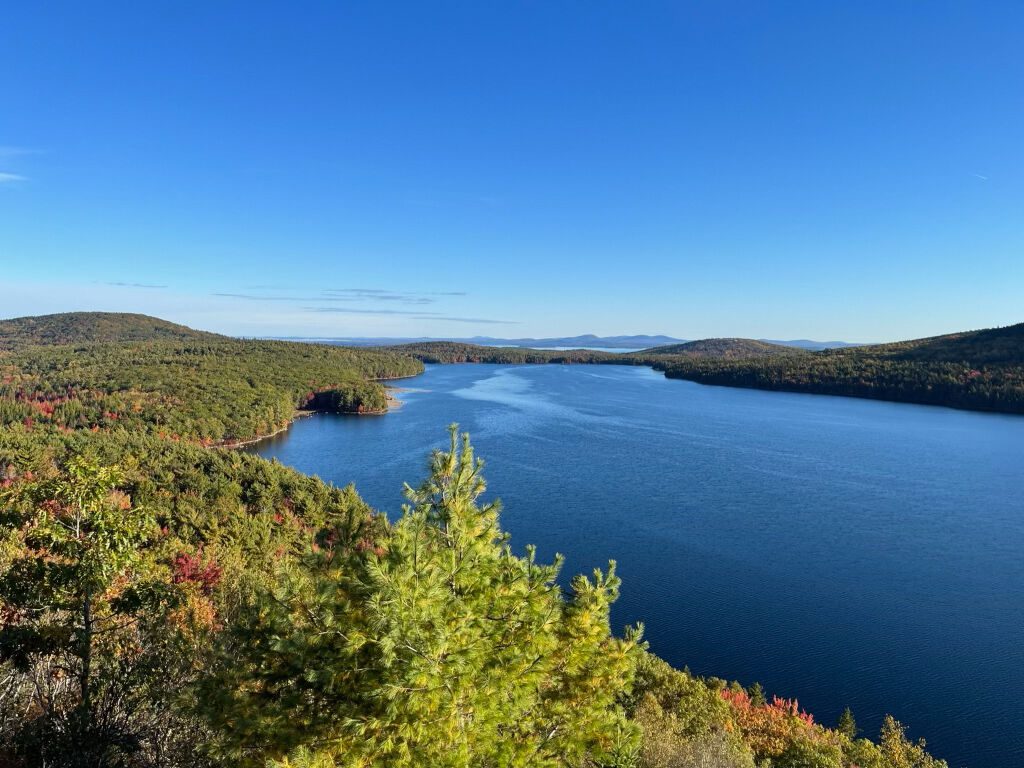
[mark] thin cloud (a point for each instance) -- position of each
(413, 315)
(488, 321)
(368, 291)
(135, 285)
(979, 176)
(254, 297)
(340, 295)
(356, 311)
(260, 297)
(7, 178)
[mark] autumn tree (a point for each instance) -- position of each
(71, 603)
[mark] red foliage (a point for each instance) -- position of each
(191, 569)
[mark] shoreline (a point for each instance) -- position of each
(393, 403)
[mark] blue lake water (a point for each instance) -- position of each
(842, 551)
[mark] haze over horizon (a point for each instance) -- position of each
(517, 171)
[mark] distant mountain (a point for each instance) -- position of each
(724, 349)
(587, 340)
(640, 341)
(89, 327)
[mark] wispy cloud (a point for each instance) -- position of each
(9, 153)
(135, 285)
(324, 297)
(357, 311)
(256, 297)
(368, 295)
(979, 176)
(485, 320)
(414, 315)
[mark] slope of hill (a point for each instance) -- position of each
(91, 327)
(723, 348)
(991, 346)
(160, 378)
(975, 370)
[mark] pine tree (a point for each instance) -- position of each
(757, 695)
(847, 725)
(436, 647)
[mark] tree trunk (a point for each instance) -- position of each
(86, 655)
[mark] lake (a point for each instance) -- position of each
(840, 551)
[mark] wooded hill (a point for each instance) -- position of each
(93, 327)
(976, 370)
(159, 378)
(722, 348)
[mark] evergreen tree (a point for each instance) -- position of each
(435, 647)
(899, 752)
(757, 698)
(847, 725)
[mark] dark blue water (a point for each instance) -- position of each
(842, 551)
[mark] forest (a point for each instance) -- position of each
(220, 390)
(168, 602)
(979, 370)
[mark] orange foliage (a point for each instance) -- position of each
(769, 728)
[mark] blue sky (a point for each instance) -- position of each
(764, 169)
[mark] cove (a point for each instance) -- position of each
(846, 552)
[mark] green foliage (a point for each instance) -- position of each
(898, 752)
(723, 349)
(757, 695)
(221, 390)
(438, 648)
(982, 370)
(72, 592)
(847, 725)
(93, 327)
(225, 522)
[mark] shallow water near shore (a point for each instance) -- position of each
(842, 551)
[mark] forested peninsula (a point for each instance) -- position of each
(167, 602)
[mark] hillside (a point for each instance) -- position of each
(723, 348)
(975, 370)
(992, 346)
(166, 379)
(92, 327)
